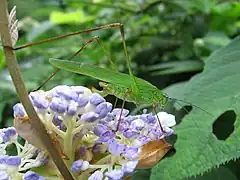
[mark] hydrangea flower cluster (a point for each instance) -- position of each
(27, 157)
(83, 126)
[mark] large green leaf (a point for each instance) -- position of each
(175, 67)
(216, 90)
(221, 173)
(142, 174)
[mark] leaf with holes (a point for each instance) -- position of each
(216, 90)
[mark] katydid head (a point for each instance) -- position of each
(159, 98)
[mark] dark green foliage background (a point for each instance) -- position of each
(169, 42)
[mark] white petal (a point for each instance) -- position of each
(167, 119)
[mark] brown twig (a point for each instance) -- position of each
(23, 94)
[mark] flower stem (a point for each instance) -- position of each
(68, 139)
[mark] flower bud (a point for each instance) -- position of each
(58, 105)
(79, 165)
(38, 100)
(115, 174)
(96, 99)
(89, 117)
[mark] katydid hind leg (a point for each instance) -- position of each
(159, 122)
(120, 117)
(108, 26)
(69, 59)
(115, 103)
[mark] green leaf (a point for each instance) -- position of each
(215, 40)
(2, 105)
(2, 59)
(215, 90)
(175, 67)
(228, 9)
(70, 17)
(176, 90)
(221, 173)
(142, 174)
(204, 6)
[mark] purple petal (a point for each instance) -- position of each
(89, 117)
(72, 108)
(96, 99)
(4, 175)
(124, 125)
(10, 131)
(76, 166)
(117, 112)
(79, 165)
(30, 175)
(5, 137)
(131, 153)
(130, 133)
(78, 89)
(168, 131)
(13, 161)
(143, 140)
(100, 129)
(82, 151)
(3, 159)
(115, 174)
(82, 100)
(129, 167)
(148, 118)
(130, 118)
(109, 117)
(155, 132)
(43, 160)
(38, 100)
(138, 124)
(18, 110)
(103, 108)
(115, 148)
(58, 105)
(106, 136)
(65, 92)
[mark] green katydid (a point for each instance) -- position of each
(132, 90)
(123, 86)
